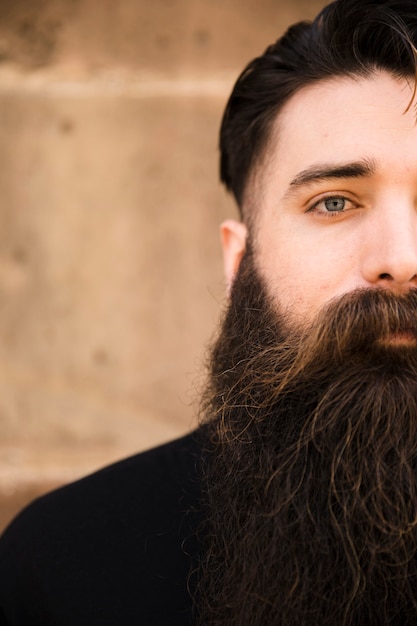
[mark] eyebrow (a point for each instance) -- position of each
(323, 171)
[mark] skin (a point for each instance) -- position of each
(308, 253)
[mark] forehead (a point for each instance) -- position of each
(345, 118)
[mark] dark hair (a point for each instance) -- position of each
(348, 37)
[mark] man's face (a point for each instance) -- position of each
(312, 431)
(336, 197)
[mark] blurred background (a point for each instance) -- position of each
(110, 269)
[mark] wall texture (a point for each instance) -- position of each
(110, 272)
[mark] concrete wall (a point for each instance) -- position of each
(110, 273)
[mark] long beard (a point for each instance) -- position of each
(311, 473)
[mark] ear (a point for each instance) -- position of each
(233, 237)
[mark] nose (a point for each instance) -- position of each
(390, 252)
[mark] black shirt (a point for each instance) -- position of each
(115, 548)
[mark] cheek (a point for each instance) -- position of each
(288, 275)
(302, 279)
(308, 266)
(286, 260)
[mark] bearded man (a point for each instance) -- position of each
(295, 502)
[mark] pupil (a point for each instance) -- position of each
(334, 204)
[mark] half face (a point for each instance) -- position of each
(336, 198)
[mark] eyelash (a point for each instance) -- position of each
(331, 214)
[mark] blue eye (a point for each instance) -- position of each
(335, 204)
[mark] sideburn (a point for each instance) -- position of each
(311, 448)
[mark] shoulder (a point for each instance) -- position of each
(128, 527)
(144, 485)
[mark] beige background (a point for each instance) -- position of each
(110, 271)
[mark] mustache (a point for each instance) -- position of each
(372, 326)
(367, 316)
